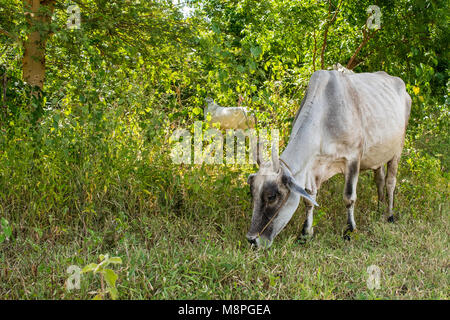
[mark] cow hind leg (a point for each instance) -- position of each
(391, 179)
(351, 180)
(379, 177)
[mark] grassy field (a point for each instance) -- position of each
(204, 255)
(89, 111)
(77, 193)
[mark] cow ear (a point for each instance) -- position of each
(290, 182)
(250, 178)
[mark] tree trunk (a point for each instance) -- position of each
(38, 14)
(327, 27)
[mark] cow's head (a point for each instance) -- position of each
(276, 196)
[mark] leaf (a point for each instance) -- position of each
(215, 28)
(90, 267)
(6, 228)
(116, 260)
(114, 293)
(197, 110)
(256, 51)
(98, 297)
(273, 280)
(110, 277)
(4, 222)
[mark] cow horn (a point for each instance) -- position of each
(258, 153)
(275, 159)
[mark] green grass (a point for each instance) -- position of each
(205, 256)
(74, 193)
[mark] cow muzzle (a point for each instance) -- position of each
(258, 241)
(252, 239)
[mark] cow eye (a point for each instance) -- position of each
(272, 198)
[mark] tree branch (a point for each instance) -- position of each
(8, 34)
(367, 35)
(315, 50)
(325, 35)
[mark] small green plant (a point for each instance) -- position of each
(5, 231)
(107, 275)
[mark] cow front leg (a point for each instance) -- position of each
(391, 179)
(351, 180)
(308, 230)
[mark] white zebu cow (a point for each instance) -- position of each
(229, 117)
(346, 123)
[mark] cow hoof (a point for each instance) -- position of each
(391, 219)
(305, 237)
(348, 233)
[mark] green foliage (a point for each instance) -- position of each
(22, 104)
(86, 160)
(107, 274)
(5, 231)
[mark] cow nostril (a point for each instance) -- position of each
(251, 239)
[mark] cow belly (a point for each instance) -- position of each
(378, 154)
